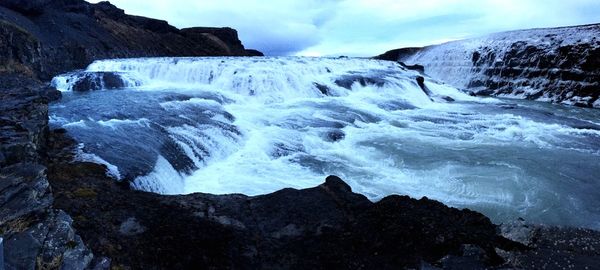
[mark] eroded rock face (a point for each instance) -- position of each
(559, 65)
(552, 247)
(53, 37)
(24, 119)
(36, 236)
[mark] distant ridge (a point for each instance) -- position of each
(45, 37)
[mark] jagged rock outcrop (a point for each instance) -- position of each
(560, 65)
(51, 37)
(36, 236)
(19, 50)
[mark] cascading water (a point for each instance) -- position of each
(256, 125)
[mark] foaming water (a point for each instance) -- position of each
(256, 125)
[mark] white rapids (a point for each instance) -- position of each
(275, 123)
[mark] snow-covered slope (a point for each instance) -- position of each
(560, 65)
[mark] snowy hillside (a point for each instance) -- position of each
(559, 65)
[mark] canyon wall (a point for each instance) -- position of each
(560, 65)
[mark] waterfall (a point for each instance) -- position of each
(255, 125)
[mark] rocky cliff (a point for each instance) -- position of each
(36, 235)
(560, 65)
(46, 37)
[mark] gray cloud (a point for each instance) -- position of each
(362, 27)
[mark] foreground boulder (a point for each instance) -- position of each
(93, 81)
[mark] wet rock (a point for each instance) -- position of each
(421, 83)
(283, 150)
(101, 264)
(324, 89)
(28, 7)
(447, 98)
(418, 68)
(231, 44)
(91, 81)
(471, 257)
(336, 135)
(51, 94)
(361, 79)
(48, 244)
(36, 235)
(518, 231)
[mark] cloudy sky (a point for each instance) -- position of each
(362, 27)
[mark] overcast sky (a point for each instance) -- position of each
(362, 27)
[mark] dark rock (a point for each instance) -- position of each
(27, 7)
(60, 131)
(25, 191)
(364, 80)
(91, 81)
(421, 83)
(418, 68)
(324, 89)
(552, 247)
(470, 257)
(283, 150)
(49, 244)
(447, 98)
(19, 49)
(51, 94)
(252, 52)
(398, 54)
(36, 235)
(336, 135)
